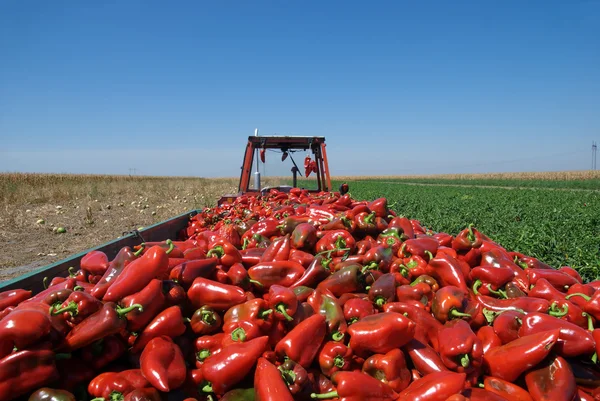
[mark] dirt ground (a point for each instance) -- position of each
(91, 213)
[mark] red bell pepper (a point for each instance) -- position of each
(50, 394)
(379, 257)
(137, 274)
(334, 356)
(216, 295)
(348, 279)
(255, 311)
(185, 273)
(447, 271)
(103, 352)
(24, 371)
(402, 224)
(553, 380)
(95, 262)
(195, 253)
(434, 386)
(460, 349)
(152, 300)
(508, 390)
(424, 247)
(174, 293)
(380, 207)
(227, 368)
(317, 271)
(427, 327)
(572, 340)
(592, 303)
(205, 321)
(78, 306)
(500, 258)
(302, 343)
(108, 320)
(351, 386)
(488, 337)
(571, 272)
(268, 383)
(381, 333)
(509, 361)
(279, 250)
(206, 346)
(467, 239)
(225, 251)
(109, 386)
(143, 394)
(162, 364)
(507, 324)
(168, 323)
(295, 376)
(336, 243)
(283, 301)
(329, 307)
(23, 328)
(526, 304)
(356, 309)
(560, 280)
(284, 273)
(424, 358)
(389, 368)
(13, 297)
(449, 303)
(490, 278)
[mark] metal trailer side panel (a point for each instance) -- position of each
(168, 229)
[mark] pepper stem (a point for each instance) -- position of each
(202, 355)
(238, 335)
(582, 295)
(471, 234)
(281, 308)
(72, 271)
(98, 399)
(171, 246)
(71, 308)
(337, 336)
(594, 358)
(208, 317)
(258, 283)
(123, 311)
(78, 288)
(139, 251)
(465, 361)
(331, 394)
(339, 361)
(429, 254)
(265, 313)
(379, 301)
(476, 285)
(207, 388)
(498, 293)
(45, 282)
(217, 251)
(457, 313)
(556, 312)
(590, 321)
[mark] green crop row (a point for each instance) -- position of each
(558, 227)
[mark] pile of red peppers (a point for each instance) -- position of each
(300, 296)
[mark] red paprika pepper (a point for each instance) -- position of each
(380, 333)
(95, 262)
(283, 301)
(460, 349)
(13, 297)
(508, 390)
(205, 321)
(423, 247)
(553, 380)
(358, 386)
(434, 386)
(449, 303)
(314, 273)
(216, 295)
(268, 383)
(447, 271)
(302, 343)
(185, 273)
(356, 309)
(162, 364)
(284, 273)
(168, 323)
(78, 306)
(389, 368)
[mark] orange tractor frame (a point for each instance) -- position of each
(286, 145)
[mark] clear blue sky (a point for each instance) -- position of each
(397, 87)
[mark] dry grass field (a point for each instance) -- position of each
(97, 208)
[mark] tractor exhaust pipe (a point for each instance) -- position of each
(257, 173)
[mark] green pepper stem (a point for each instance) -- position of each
(582, 295)
(78, 288)
(98, 399)
(339, 361)
(554, 311)
(139, 251)
(465, 361)
(207, 388)
(208, 317)
(476, 285)
(123, 311)
(217, 251)
(337, 336)
(331, 394)
(281, 308)
(71, 308)
(171, 246)
(258, 283)
(379, 301)
(471, 234)
(429, 254)
(594, 358)
(72, 271)
(456, 313)
(590, 321)
(202, 355)
(45, 282)
(238, 335)
(498, 293)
